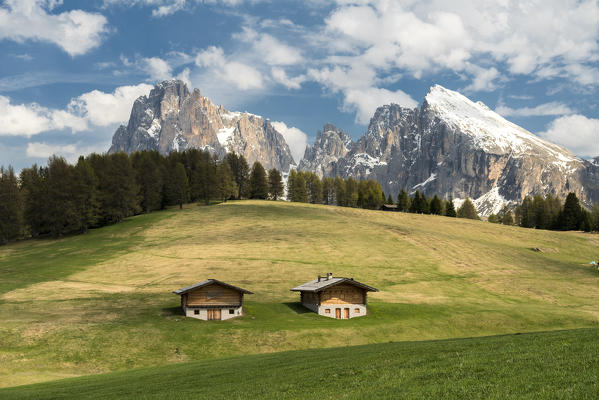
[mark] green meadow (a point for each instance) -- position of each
(102, 302)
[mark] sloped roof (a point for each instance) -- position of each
(207, 283)
(316, 286)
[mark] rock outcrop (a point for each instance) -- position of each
(173, 118)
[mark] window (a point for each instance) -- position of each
(196, 312)
(231, 311)
(327, 311)
(357, 310)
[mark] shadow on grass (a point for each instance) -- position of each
(172, 311)
(297, 308)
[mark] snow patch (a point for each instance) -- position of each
(490, 203)
(428, 180)
(366, 160)
(224, 135)
(154, 129)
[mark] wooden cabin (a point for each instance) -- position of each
(212, 300)
(335, 297)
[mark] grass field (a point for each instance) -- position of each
(102, 301)
(557, 365)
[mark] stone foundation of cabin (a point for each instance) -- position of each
(342, 311)
(330, 310)
(207, 314)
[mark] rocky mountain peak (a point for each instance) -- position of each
(454, 147)
(330, 145)
(171, 118)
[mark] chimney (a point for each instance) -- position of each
(329, 275)
(319, 278)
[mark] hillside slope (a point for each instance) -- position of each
(562, 365)
(102, 301)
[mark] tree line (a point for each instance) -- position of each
(550, 213)
(307, 187)
(61, 198)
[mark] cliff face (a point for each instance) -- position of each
(451, 146)
(173, 118)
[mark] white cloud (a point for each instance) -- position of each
(169, 8)
(93, 108)
(575, 132)
(280, 76)
(103, 109)
(295, 138)
(75, 31)
(365, 101)
(30, 119)
(243, 76)
(157, 68)
(552, 108)
(70, 152)
(270, 49)
(44, 150)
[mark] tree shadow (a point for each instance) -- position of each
(297, 307)
(172, 311)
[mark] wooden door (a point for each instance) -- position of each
(338, 313)
(213, 315)
(346, 313)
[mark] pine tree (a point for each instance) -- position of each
(11, 207)
(527, 214)
(258, 182)
(595, 217)
(467, 210)
(542, 219)
(117, 186)
(586, 224)
(313, 187)
(149, 176)
(507, 219)
(328, 190)
(571, 216)
(436, 206)
(33, 189)
(177, 186)
(450, 209)
(415, 203)
(241, 172)
(60, 208)
(291, 187)
(340, 192)
(403, 201)
(275, 184)
(390, 199)
(351, 192)
(300, 192)
(85, 195)
(494, 219)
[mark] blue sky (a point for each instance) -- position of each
(70, 70)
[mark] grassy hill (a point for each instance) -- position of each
(560, 365)
(102, 301)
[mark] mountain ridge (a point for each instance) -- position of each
(449, 146)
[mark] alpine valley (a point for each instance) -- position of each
(450, 146)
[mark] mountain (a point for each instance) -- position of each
(331, 145)
(452, 146)
(173, 118)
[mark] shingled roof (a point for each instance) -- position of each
(209, 282)
(322, 283)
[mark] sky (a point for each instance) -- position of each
(71, 70)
